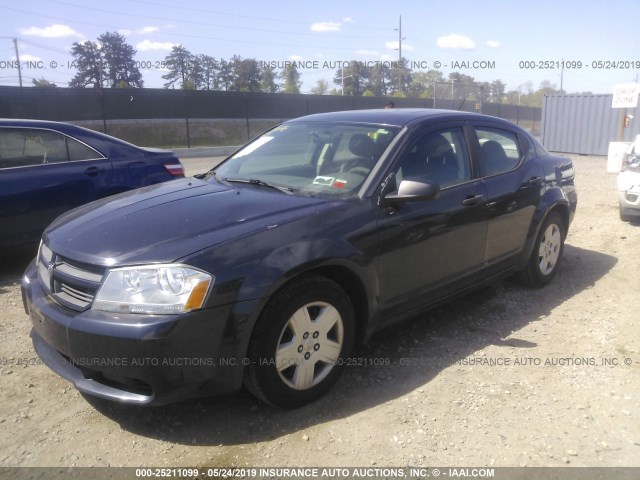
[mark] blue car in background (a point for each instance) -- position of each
(47, 168)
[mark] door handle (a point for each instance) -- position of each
(91, 171)
(474, 200)
(534, 180)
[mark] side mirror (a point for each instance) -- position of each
(412, 191)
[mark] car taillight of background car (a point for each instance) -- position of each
(175, 169)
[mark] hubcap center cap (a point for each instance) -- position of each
(307, 345)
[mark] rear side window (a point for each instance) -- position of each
(23, 147)
(500, 150)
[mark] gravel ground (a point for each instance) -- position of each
(505, 377)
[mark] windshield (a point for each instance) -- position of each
(323, 159)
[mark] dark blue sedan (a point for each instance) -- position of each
(271, 267)
(47, 168)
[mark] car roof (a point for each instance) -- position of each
(389, 116)
(66, 128)
(28, 122)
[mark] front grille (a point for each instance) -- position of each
(70, 283)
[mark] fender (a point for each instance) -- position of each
(559, 195)
(339, 261)
(291, 260)
(253, 267)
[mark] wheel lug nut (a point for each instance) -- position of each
(300, 349)
(307, 356)
(316, 334)
(306, 335)
(316, 347)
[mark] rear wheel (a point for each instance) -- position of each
(547, 252)
(299, 343)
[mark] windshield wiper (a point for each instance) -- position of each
(262, 183)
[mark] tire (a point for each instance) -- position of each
(300, 341)
(624, 217)
(547, 253)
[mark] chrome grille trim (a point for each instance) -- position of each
(78, 294)
(70, 284)
(45, 256)
(75, 272)
(72, 301)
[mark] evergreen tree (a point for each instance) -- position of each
(88, 61)
(292, 81)
(268, 83)
(179, 63)
(117, 55)
(497, 91)
(42, 83)
(321, 88)
(207, 68)
(247, 74)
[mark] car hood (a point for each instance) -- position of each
(628, 180)
(167, 221)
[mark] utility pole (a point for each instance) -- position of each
(399, 53)
(400, 38)
(15, 44)
(343, 77)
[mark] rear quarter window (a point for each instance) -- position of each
(80, 151)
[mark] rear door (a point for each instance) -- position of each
(44, 173)
(513, 176)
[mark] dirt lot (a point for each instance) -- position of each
(550, 385)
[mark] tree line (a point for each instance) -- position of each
(109, 63)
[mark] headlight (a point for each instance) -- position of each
(155, 289)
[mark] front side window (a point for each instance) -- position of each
(500, 151)
(441, 157)
(320, 159)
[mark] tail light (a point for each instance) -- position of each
(175, 169)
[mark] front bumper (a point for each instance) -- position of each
(140, 359)
(629, 193)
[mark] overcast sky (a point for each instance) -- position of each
(497, 35)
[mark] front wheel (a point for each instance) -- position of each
(298, 347)
(624, 217)
(547, 252)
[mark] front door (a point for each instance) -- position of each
(431, 248)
